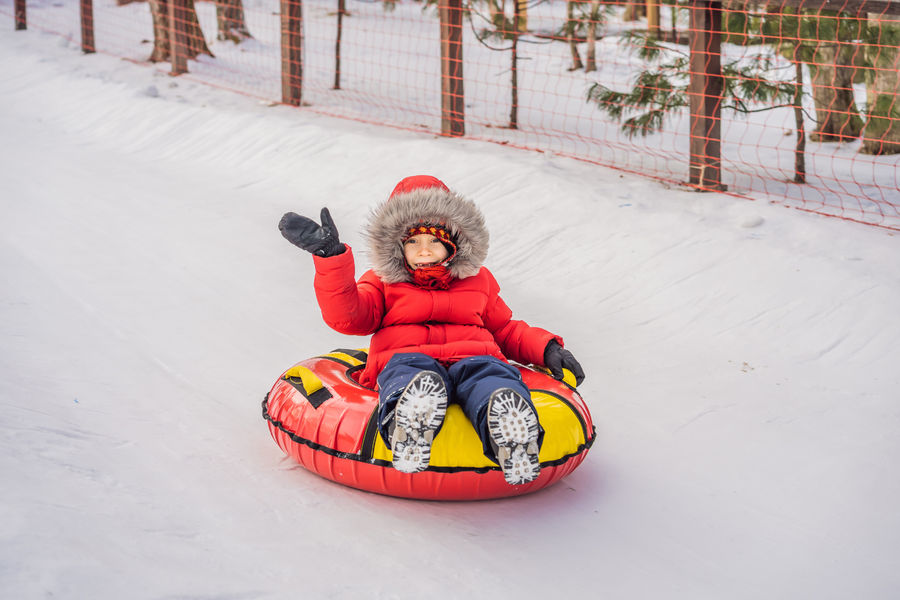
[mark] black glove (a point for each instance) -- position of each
(556, 357)
(310, 236)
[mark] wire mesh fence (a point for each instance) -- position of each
(794, 102)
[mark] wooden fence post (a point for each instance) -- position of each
(87, 26)
(291, 51)
(453, 113)
(178, 42)
(705, 92)
(21, 17)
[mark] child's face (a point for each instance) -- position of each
(424, 250)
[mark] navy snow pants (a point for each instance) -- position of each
(470, 383)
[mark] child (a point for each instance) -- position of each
(440, 328)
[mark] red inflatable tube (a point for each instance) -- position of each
(321, 417)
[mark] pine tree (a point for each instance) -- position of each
(505, 29)
(882, 133)
(661, 88)
(592, 16)
(836, 46)
(822, 40)
(569, 29)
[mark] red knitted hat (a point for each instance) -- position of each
(437, 231)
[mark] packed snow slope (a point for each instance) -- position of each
(741, 360)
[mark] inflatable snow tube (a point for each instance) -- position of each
(324, 419)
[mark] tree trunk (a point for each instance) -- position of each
(522, 19)
(453, 92)
(337, 45)
(591, 62)
(705, 96)
(832, 74)
(159, 9)
(674, 16)
(800, 148)
(498, 14)
(161, 44)
(230, 20)
(292, 52)
(882, 134)
(20, 8)
(514, 109)
(652, 8)
(87, 27)
(570, 36)
(633, 10)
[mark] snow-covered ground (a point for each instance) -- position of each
(741, 359)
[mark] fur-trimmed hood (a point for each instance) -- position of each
(416, 200)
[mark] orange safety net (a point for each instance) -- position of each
(798, 104)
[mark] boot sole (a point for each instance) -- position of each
(419, 413)
(513, 426)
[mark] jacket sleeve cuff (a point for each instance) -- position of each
(330, 261)
(333, 272)
(533, 344)
(545, 338)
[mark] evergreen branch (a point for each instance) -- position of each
(504, 32)
(748, 111)
(661, 91)
(645, 47)
(644, 124)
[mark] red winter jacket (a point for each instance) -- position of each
(468, 319)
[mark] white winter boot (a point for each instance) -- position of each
(513, 426)
(419, 414)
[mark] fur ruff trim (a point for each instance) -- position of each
(390, 221)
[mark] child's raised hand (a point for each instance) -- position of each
(321, 240)
(556, 357)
